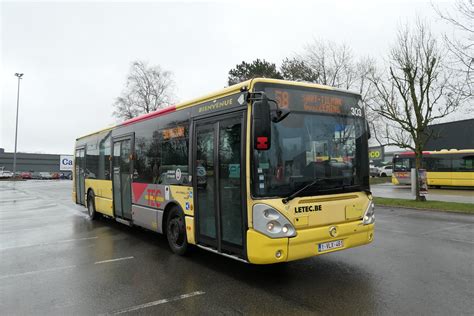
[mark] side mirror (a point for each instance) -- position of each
(261, 124)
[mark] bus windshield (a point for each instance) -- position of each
(306, 146)
(402, 164)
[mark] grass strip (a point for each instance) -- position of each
(379, 180)
(466, 208)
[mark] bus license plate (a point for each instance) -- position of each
(330, 245)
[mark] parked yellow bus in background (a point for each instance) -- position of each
(264, 171)
(444, 168)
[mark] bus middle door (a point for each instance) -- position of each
(122, 177)
(219, 184)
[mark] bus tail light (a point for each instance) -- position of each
(369, 215)
(271, 223)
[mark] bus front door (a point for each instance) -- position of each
(122, 177)
(80, 175)
(219, 184)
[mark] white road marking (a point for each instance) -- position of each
(113, 260)
(34, 272)
(49, 243)
(159, 302)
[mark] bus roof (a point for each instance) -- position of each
(97, 132)
(439, 152)
(412, 153)
(217, 94)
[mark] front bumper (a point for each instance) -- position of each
(262, 249)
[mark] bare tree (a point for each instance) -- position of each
(365, 70)
(460, 45)
(414, 92)
(333, 64)
(148, 89)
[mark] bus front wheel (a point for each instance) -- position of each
(91, 206)
(176, 231)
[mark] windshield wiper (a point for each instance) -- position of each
(304, 188)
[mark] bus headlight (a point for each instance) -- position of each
(272, 223)
(369, 215)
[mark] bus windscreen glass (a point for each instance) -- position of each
(321, 138)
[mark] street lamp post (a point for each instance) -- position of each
(16, 127)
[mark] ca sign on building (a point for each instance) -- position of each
(65, 162)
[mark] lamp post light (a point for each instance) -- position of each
(19, 75)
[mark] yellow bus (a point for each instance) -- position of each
(264, 171)
(444, 168)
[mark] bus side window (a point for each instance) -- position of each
(173, 147)
(428, 164)
(103, 172)
(441, 163)
(463, 163)
(469, 163)
(92, 159)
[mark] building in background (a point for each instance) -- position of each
(451, 135)
(37, 162)
(377, 155)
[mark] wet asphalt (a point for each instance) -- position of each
(446, 194)
(55, 261)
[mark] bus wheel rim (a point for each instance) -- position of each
(175, 231)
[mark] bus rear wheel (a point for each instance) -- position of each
(176, 231)
(91, 206)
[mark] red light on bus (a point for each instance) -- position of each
(262, 142)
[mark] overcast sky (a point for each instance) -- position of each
(75, 55)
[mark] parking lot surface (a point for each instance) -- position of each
(55, 261)
(446, 194)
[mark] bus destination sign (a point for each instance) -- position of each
(320, 101)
